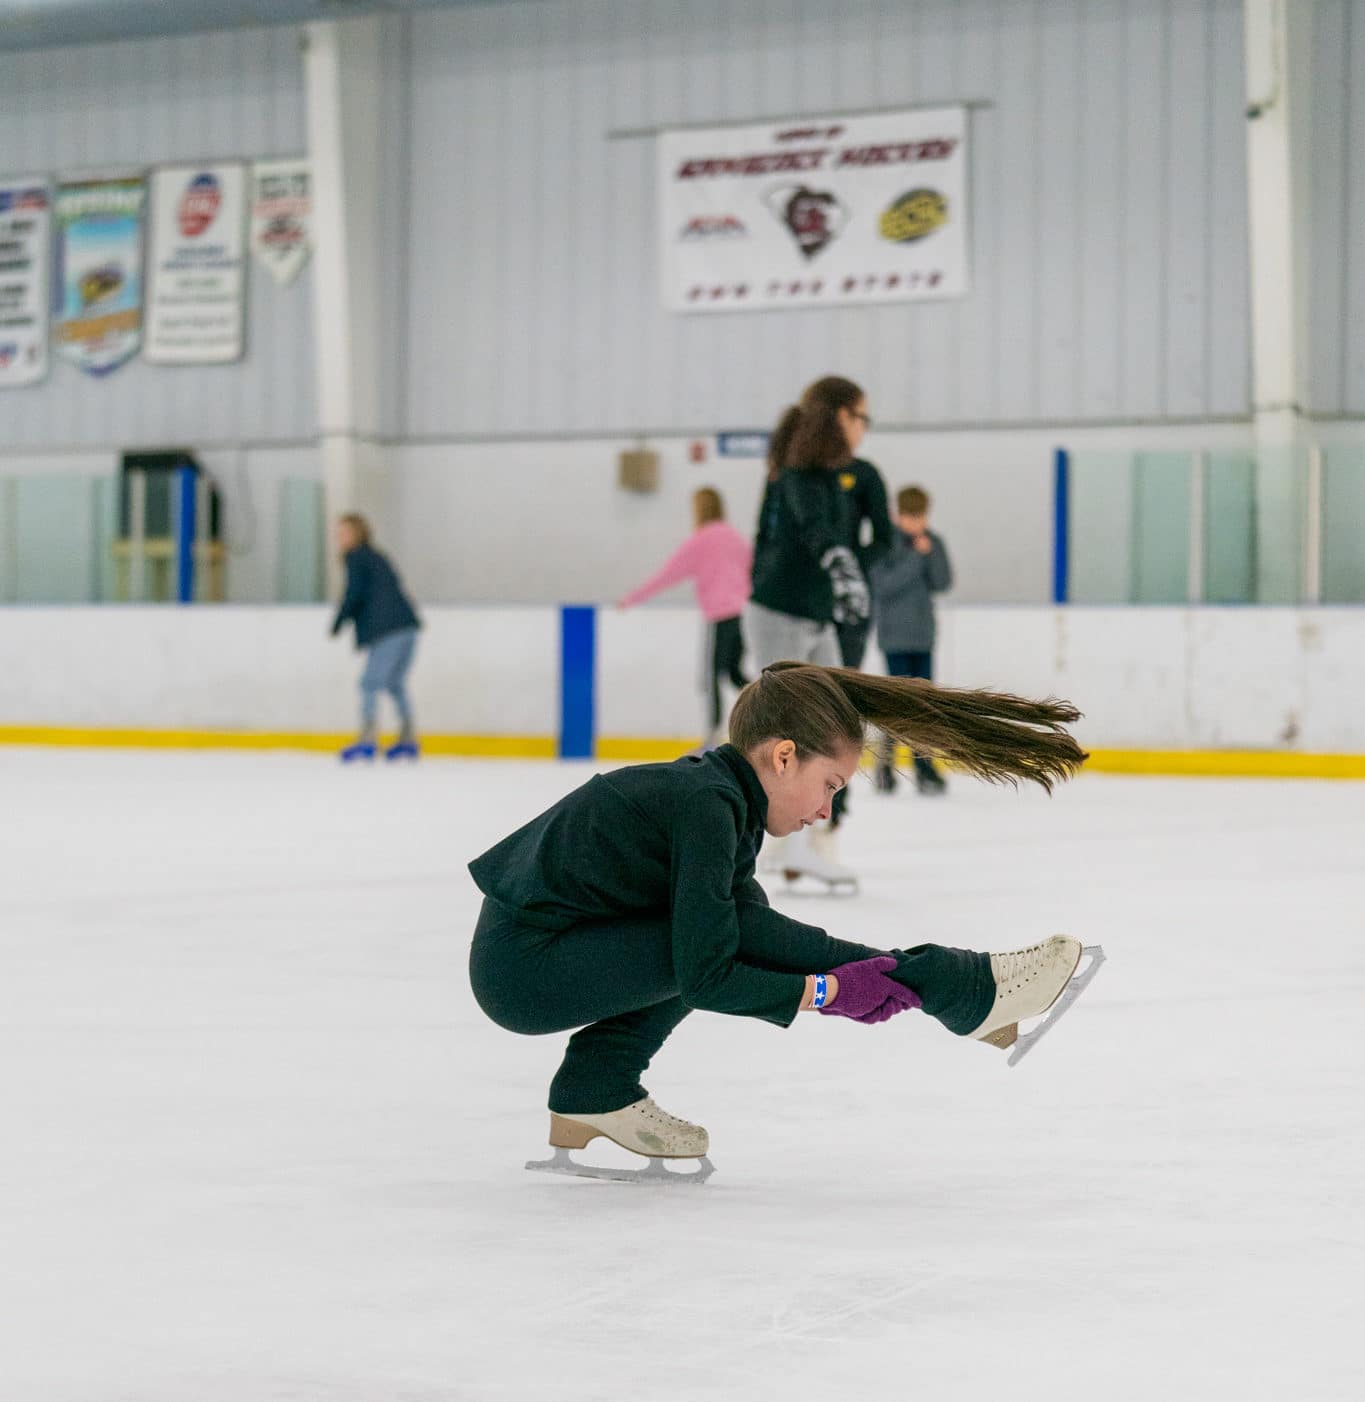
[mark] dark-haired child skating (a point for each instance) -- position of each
(632, 901)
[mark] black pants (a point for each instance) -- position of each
(852, 649)
(912, 664)
(617, 976)
(853, 641)
(727, 653)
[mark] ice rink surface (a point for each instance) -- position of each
(259, 1144)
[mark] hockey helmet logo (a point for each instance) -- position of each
(814, 218)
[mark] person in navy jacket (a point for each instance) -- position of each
(386, 627)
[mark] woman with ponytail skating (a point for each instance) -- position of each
(808, 582)
(633, 900)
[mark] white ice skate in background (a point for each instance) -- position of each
(812, 854)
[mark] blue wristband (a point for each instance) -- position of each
(820, 989)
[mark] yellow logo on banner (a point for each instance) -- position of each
(913, 215)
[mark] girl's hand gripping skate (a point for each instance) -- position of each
(866, 994)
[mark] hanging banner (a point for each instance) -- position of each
(25, 236)
(282, 216)
(196, 295)
(825, 212)
(97, 279)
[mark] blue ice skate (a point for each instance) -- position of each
(404, 749)
(362, 749)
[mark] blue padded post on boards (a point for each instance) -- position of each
(184, 534)
(1061, 525)
(577, 681)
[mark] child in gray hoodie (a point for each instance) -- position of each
(904, 582)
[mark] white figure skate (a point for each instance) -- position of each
(644, 1129)
(1029, 982)
(811, 853)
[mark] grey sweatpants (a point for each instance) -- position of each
(782, 637)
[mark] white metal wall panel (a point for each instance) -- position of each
(1337, 316)
(1109, 227)
(232, 94)
(392, 294)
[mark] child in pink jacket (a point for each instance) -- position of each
(718, 560)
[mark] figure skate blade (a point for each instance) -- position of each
(1079, 983)
(653, 1172)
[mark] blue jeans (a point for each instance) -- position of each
(913, 664)
(910, 664)
(386, 669)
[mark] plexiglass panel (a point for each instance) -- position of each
(1343, 526)
(301, 539)
(1101, 528)
(1161, 528)
(1229, 529)
(53, 539)
(1279, 532)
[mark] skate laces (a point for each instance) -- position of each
(1019, 965)
(662, 1117)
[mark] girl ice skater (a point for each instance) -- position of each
(633, 900)
(386, 627)
(717, 559)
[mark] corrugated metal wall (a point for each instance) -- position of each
(1109, 175)
(1337, 311)
(234, 94)
(1109, 186)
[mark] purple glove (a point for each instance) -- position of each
(866, 994)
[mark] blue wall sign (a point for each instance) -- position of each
(742, 445)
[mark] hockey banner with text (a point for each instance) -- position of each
(282, 216)
(827, 211)
(25, 234)
(97, 279)
(196, 299)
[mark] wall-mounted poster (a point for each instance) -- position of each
(282, 216)
(197, 281)
(97, 279)
(25, 236)
(821, 212)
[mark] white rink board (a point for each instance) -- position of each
(487, 671)
(261, 1144)
(1146, 678)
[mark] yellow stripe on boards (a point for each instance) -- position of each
(1234, 764)
(1242, 764)
(484, 746)
(640, 751)
(1228, 764)
(492, 746)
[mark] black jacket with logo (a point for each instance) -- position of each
(805, 513)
